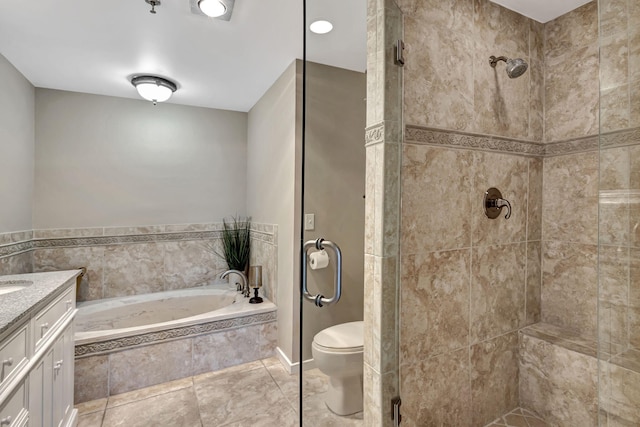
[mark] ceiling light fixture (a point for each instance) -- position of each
(321, 26)
(212, 8)
(153, 88)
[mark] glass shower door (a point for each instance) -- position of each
(331, 212)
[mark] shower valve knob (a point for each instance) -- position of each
(493, 204)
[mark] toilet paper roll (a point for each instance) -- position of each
(318, 260)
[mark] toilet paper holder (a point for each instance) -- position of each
(320, 300)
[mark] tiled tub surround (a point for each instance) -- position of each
(137, 260)
(122, 360)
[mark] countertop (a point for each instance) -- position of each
(19, 305)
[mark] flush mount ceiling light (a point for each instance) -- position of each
(321, 26)
(153, 88)
(212, 8)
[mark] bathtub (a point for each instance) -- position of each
(185, 332)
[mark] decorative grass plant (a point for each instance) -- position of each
(236, 243)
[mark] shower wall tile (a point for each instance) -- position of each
(501, 104)
(614, 61)
(620, 394)
(435, 311)
(497, 290)
(613, 16)
(615, 268)
(91, 378)
(133, 269)
(536, 40)
(266, 255)
(436, 199)
(511, 178)
(437, 391)
(494, 378)
(558, 384)
(370, 200)
(171, 361)
(634, 53)
(534, 283)
(614, 108)
(91, 257)
(440, 45)
(534, 200)
(17, 264)
(571, 94)
(384, 356)
(615, 173)
(570, 188)
(536, 99)
(572, 30)
(569, 286)
(382, 389)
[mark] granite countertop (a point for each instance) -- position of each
(19, 305)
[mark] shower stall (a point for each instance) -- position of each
(469, 318)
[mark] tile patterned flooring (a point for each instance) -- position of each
(256, 394)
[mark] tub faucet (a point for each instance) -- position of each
(245, 283)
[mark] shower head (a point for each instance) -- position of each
(515, 67)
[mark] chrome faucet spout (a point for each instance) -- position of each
(245, 283)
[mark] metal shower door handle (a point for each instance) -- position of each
(320, 300)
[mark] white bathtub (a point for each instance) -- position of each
(113, 318)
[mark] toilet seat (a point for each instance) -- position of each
(342, 338)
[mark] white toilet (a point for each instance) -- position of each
(337, 352)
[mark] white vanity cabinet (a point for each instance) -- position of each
(38, 356)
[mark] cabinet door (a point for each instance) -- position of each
(67, 372)
(36, 393)
(58, 381)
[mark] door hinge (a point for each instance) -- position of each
(395, 411)
(399, 48)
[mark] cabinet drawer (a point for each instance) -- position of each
(14, 409)
(13, 354)
(45, 321)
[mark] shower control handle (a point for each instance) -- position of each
(320, 300)
(493, 204)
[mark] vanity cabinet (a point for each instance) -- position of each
(36, 387)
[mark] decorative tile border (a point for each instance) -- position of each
(104, 347)
(440, 137)
(15, 248)
(386, 131)
(430, 136)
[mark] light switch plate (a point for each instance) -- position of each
(309, 222)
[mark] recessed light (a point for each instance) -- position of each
(321, 27)
(212, 8)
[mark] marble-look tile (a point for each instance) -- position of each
(17, 264)
(620, 394)
(497, 290)
(91, 420)
(570, 286)
(634, 103)
(378, 391)
(614, 61)
(91, 257)
(271, 416)
(129, 231)
(634, 206)
(572, 94)
(570, 201)
(369, 311)
(61, 233)
(534, 283)
(431, 176)
(571, 30)
(171, 361)
(133, 269)
(614, 108)
(227, 399)
(508, 174)
(98, 405)
(562, 337)
(266, 255)
(188, 264)
(174, 408)
(613, 326)
(391, 198)
(384, 307)
(558, 384)
(438, 40)
(494, 378)
(536, 40)
(613, 16)
(536, 98)
(147, 392)
(434, 315)
(615, 266)
(224, 349)
(534, 200)
(501, 104)
(436, 391)
(91, 378)
(614, 217)
(615, 173)
(370, 200)
(634, 52)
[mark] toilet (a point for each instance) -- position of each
(337, 352)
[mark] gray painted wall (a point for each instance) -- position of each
(16, 149)
(103, 161)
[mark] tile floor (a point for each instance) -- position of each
(519, 418)
(256, 394)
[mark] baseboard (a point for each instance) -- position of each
(292, 367)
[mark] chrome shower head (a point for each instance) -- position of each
(515, 67)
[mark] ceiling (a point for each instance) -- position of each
(95, 47)
(542, 10)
